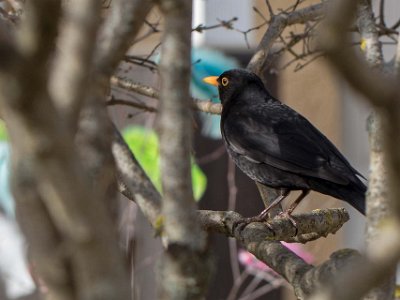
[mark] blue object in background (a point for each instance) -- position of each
(14, 267)
(207, 62)
(7, 204)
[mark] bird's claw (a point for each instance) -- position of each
(287, 215)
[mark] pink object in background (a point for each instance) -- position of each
(253, 264)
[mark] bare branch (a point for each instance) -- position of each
(72, 66)
(50, 158)
(200, 105)
(186, 241)
(228, 24)
(276, 26)
(369, 33)
(119, 32)
(383, 252)
(377, 88)
(142, 106)
(134, 182)
(397, 58)
(135, 87)
(313, 225)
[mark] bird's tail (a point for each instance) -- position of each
(353, 193)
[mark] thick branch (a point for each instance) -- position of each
(378, 202)
(311, 226)
(134, 181)
(369, 33)
(119, 32)
(50, 158)
(187, 243)
(380, 90)
(73, 62)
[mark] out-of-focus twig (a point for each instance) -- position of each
(381, 91)
(200, 105)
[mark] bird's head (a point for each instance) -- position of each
(232, 82)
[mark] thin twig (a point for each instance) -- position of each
(144, 107)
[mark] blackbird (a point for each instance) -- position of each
(277, 147)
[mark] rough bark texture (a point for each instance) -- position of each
(380, 91)
(378, 204)
(184, 270)
(73, 66)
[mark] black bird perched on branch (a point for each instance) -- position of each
(277, 147)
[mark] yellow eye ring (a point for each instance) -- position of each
(224, 81)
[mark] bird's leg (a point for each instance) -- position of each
(267, 195)
(264, 214)
(287, 213)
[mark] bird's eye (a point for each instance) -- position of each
(224, 81)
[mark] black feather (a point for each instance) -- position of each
(276, 146)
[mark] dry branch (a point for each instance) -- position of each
(129, 85)
(277, 25)
(186, 240)
(313, 225)
(119, 32)
(380, 91)
(49, 159)
(72, 66)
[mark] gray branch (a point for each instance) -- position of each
(378, 204)
(47, 157)
(277, 24)
(380, 90)
(72, 66)
(119, 32)
(397, 58)
(200, 105)
(313, 225)
(186, 241)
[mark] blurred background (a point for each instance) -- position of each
(225, 35)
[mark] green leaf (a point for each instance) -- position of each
(143, 143)
(3, 131)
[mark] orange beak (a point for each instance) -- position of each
(211, 80)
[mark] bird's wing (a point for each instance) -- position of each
(287, 141)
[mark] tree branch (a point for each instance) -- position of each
(397, 58)
(186, 241)
(277, 25)
(380, 91)
(378, 202)
(134, 182)
(50, 160)
(313, 225)
(200, 105)
(119, 32)
(73, 62)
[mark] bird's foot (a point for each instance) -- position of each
(242, 223)
(287, 215)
